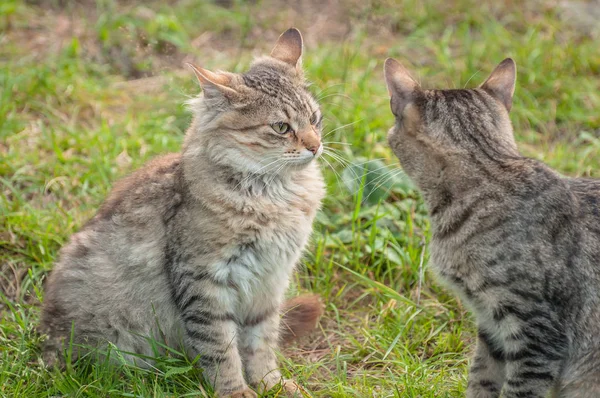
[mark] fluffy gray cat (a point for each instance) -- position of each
(196, 249)
(519, 243)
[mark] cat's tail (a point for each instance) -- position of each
(300, 316)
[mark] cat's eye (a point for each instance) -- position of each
(314, 119)
(281, 127)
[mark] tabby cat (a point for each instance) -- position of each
(519, 243)
(196, 249)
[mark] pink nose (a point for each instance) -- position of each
(313, 149)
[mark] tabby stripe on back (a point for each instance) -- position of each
(517, 241)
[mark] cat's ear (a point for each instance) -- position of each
(214, 84)
(401, 85)
(501, 83)
(289, 48)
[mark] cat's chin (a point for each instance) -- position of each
(301, 164)
(282, 167)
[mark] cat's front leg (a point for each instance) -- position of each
(258, 341)
(534, 358)
(532, 377)
(486, 375)
(210, 330)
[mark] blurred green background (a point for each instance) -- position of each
(90, 90)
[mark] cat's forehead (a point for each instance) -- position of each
(459, 114)
(453, 102)
(278, 85)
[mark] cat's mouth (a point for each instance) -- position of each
(304, 156)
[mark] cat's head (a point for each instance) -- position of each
(262, 121)
(443, 132)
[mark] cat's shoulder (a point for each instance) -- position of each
(584, 185)
(587, 191)
(153, 190)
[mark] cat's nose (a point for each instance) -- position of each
(313, 148)
(310, 140)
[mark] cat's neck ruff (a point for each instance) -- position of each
(209, 181)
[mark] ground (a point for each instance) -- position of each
(90, 90)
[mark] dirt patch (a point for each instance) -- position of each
(49, 30)
(582, 16)
(133, 54)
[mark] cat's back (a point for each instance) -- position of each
(587, 195)
(150, 192)
(587, 191)
(131, 221)
(132, 218)
(115, 262)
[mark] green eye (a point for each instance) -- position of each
(281, 127)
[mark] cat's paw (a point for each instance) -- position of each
(280, 387)
(289, 388)
(246, 393)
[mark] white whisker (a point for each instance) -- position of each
(388, 176)
(346, 108)
(340, 160)
(343, 162)
(256, 173)
(337, 175)
(472, 76)
(369, 172)
(333, 95)
(341, 127)
(318, 96)
(276, 172)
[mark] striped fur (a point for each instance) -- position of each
(518, 243)
(196, 249)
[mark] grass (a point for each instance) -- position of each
(90, 91)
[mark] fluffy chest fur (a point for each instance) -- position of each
(260, 255)
(249, 234)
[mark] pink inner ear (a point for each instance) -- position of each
(205, 76)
